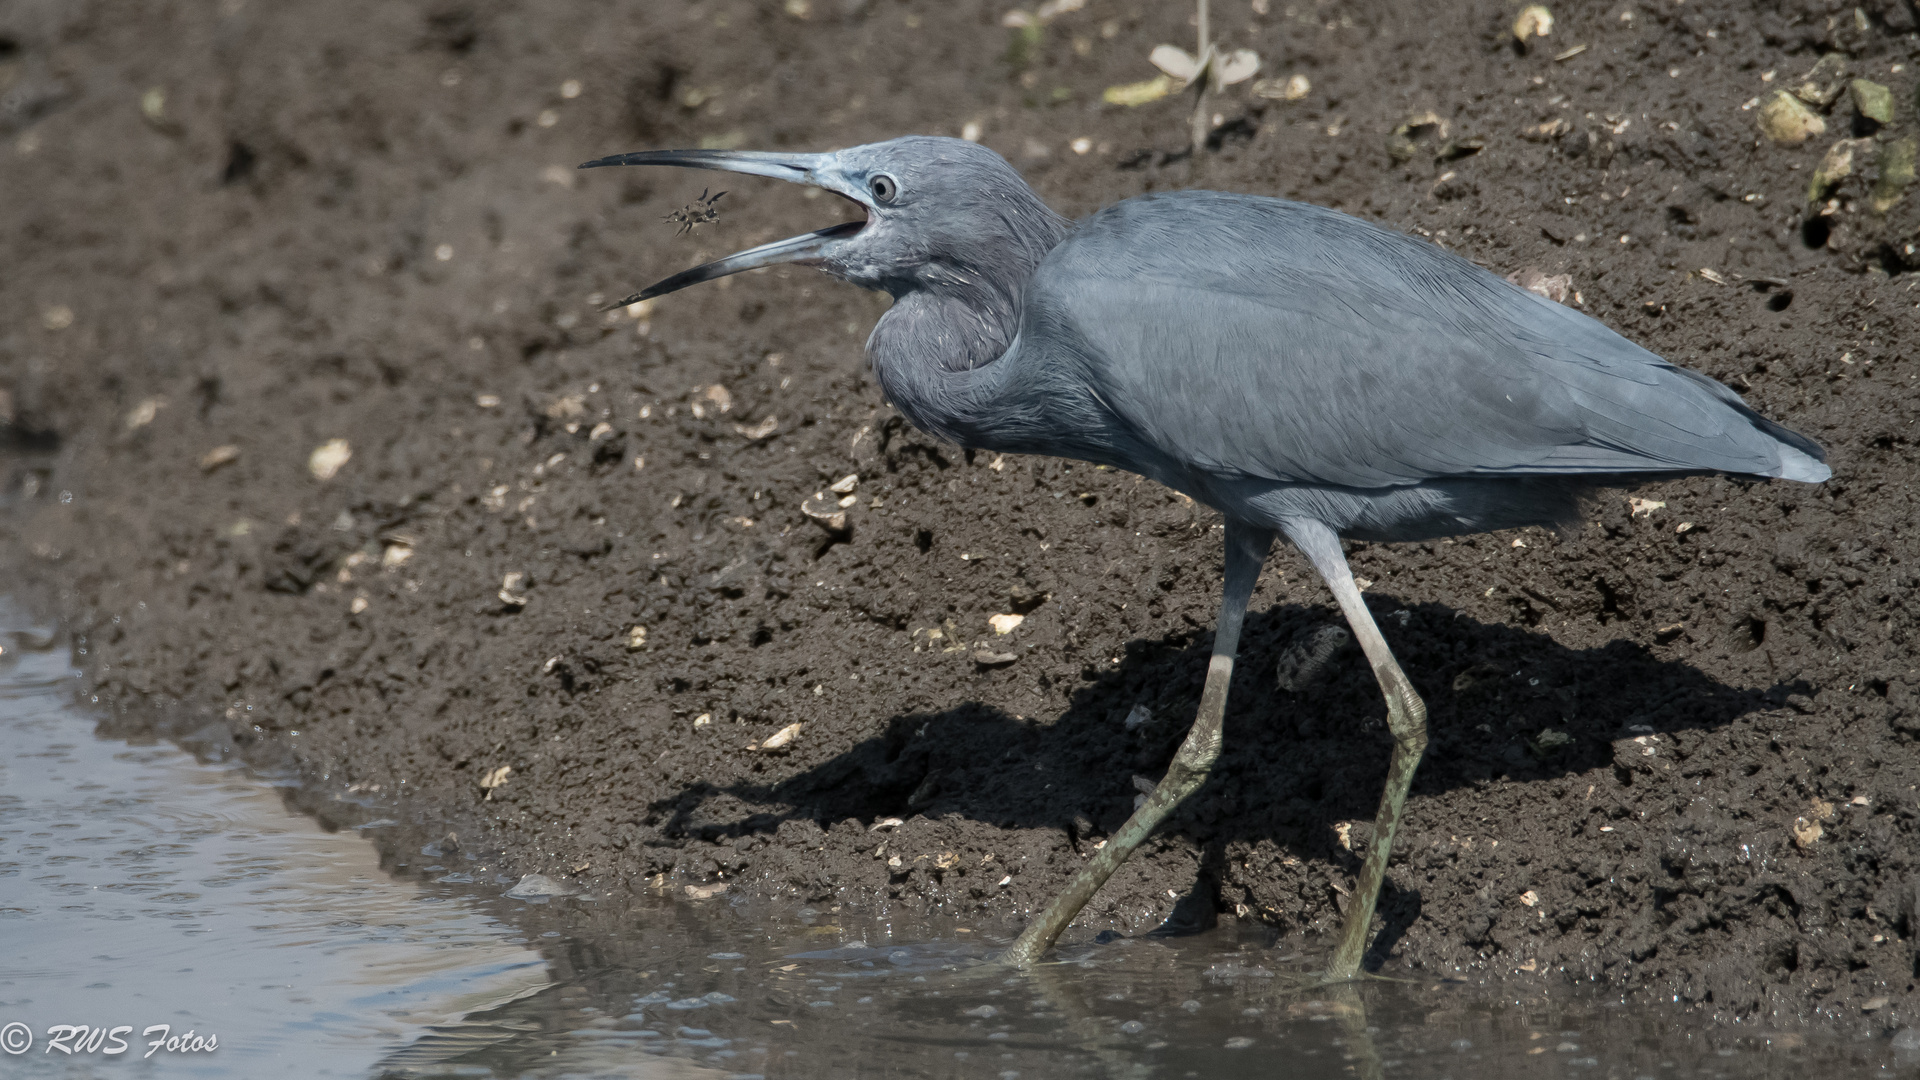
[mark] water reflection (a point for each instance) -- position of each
(141, 886)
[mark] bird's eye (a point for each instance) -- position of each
(884, 188)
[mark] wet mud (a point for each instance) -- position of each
(557, 591)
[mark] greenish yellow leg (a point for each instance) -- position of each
(1406, 720)
(1246, 550)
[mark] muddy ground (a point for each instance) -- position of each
(1674, 753)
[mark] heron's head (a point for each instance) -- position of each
(932, 210)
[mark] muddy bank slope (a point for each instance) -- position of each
(1675, 752)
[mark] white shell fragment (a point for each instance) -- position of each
(510, 586)
(494, 778)
(637, 638)
(845, 485)
(328, 458)
(1005, 624)
(781, 739)
(825, 511)
(218, 456)
(1533, 21)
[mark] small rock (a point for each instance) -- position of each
(395, 555)
(218, 456)
(1896, 173)
(537, 887)
(1874, 1004)
(1825, 83)
(1837, 164)
(1871, 100)
(328, 458)
(706, 892)
(1788, 122)
(781, 739)
(993, 659)
(1554, 287)
(1907, 1039)
(1309, 657)
(1137, 717)
(983, 1012)
(1806, 832)
(636, 638)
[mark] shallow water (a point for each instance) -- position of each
(141, 886)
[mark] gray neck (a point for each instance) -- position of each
(940, 353)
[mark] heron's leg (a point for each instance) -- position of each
(1406, 719)
(1247, 547)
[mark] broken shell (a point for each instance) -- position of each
(885, 823)
(359, 605)
(946, 860)
(1871, 100)
(218, 456)
(570, 407)
(395, 555)
(845, 485)
(706, 892)
(1291, 88)
(487, 401)
(993, 659)
(825, 511)
(142, 414)
(57, 317)
(1788, 122)
(510, 593)
(1837, 164)
(1639, 507)
(703, 719)
(328, 458)
(600, 431)
(781, 739)
(1533, 21)
(1896, 173)
(1005, 624)
(494, 778)
(715, 398)
(756, 432)
(1530, 898)
(637, 638)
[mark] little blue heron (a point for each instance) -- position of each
(1303, 372)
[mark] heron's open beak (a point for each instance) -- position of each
(814, 170)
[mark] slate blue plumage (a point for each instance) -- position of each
(1304, 372)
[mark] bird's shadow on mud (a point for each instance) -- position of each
(1503, 702)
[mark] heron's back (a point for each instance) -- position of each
(1253, 339)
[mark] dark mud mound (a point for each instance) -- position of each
(554, 581)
